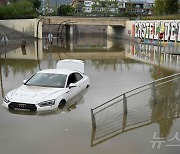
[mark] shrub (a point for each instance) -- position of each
(19, 10)
(65, 10)
(129, 14)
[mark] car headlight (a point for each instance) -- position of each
(47, 103)
(6, 99)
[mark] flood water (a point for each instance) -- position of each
(113, 66)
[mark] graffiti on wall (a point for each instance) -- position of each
(168, 30)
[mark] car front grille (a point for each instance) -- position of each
(24, 106)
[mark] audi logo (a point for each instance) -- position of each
(21, 105)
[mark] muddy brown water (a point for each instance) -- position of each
(112, 71)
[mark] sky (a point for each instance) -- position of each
(64, 1)
(61, 1)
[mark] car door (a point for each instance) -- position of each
(79, 82)
(75, 78)
(73, 90)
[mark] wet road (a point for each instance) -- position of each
(69, 130)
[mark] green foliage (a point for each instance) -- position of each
(165, 7)
(19, 10)
(65, 10)
(159, 7)
(129, 15)
(172, 6)
(36, 3)
(103, 4)
(129, 7)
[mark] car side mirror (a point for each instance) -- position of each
(72, 85)
(24, 81)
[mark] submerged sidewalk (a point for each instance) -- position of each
(14, 39)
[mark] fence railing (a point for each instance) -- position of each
(141, 106)
(123, 97)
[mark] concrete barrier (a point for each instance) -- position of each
(26, 26)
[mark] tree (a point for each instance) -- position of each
(159, 7)
(163, 7)
(17, 10)
(94, 8)
(36, 3)
(172, 6)
(65, 10)
(129, 7)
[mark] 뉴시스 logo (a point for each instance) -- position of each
(158, 141)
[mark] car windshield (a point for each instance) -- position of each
(47, 80)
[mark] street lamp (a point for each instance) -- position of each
(60, 25)
(38, 26)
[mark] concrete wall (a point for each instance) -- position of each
(151, 29)
(147, 30)
(115, 31)
(128, 32)
(133, 29)
(27, 26)
(121, 32)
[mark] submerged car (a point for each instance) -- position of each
(70, 105)
(49, 89)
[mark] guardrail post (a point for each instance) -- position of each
(154, 93)
(124, 122)
(93, 119)
(124, 104)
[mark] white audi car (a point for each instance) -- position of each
(49, 89)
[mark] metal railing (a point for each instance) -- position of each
(123, 97)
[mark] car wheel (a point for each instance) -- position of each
(62, 104)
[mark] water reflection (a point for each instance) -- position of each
(1, 81)
(104, 53)
(86, 47)
(160, 105)
(99, 47)
(113, 64)
(83, 41)
(163, 55)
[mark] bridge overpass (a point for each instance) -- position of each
(115, 26)
(101, 21)
(34, 27)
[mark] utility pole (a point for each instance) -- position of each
(48, 4)
(43, 9)
(56, 7)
